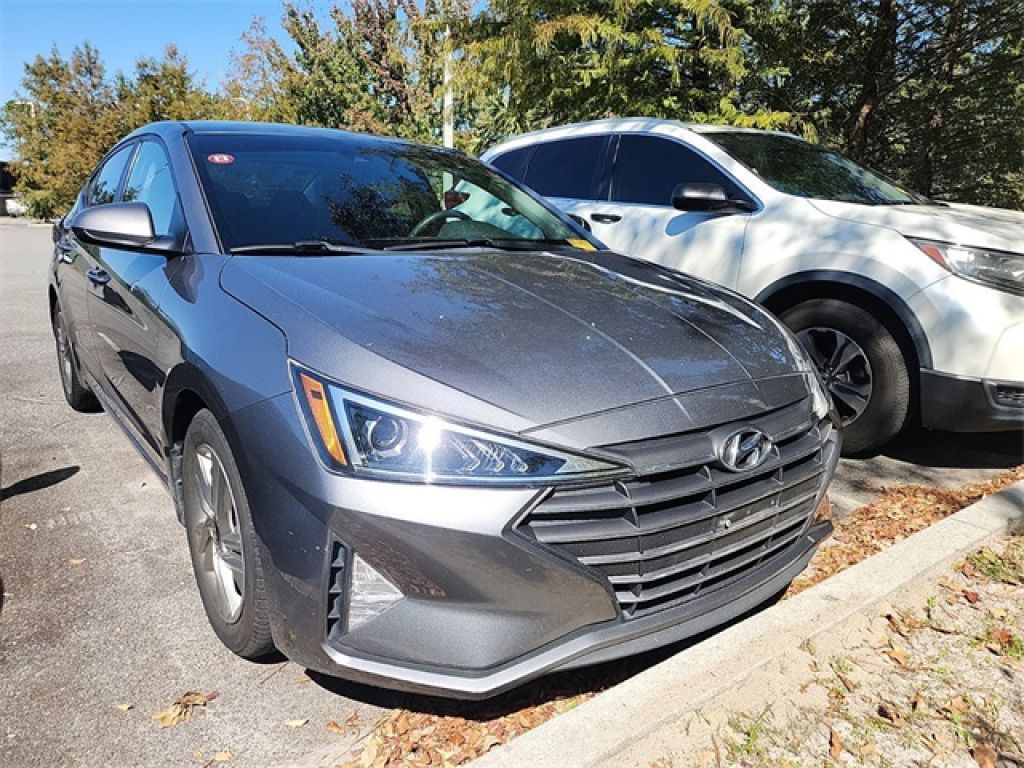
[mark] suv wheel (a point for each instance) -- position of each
(78, 395)
(862, 366)
(222, 542)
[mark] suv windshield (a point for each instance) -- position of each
(795, 167)
(360, 191)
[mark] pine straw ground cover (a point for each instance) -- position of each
(451, 734)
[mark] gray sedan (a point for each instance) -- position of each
(422, 430)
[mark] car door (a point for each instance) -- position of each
(639, 219)
(78, 268)
(571, 173)
(131, 336)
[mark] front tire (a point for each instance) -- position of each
(78, 395)
(862, 366)
(222, 541)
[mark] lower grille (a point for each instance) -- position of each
(664, 538)
(1010, 396)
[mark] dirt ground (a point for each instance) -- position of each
(938, 680)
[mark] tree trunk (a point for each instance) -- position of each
(951, 45)
(877, 71)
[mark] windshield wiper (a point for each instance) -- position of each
(306, 247)
(511, 244)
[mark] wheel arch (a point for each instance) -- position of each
(890, 309)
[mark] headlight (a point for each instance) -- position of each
(1000, 269)
(357, 433)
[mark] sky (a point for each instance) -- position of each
(125, 30)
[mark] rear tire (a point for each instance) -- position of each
(222, 541)
(862, 366)
(78, 395)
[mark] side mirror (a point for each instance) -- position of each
(581, 221)
(702, 196)
(122, 225)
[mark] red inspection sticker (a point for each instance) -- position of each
(220, 158)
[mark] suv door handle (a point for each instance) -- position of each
(605, 218)
(98, 276)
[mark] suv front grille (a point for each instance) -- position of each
(661, 539)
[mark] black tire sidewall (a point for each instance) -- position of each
(78, 396)
(888, 408)
(249, 635)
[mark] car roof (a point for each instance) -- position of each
(176, 128)
(636, 124)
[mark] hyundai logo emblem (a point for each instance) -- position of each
(745, 449)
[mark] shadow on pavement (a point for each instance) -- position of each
(38, 482)
(994, 450)
(556, 685)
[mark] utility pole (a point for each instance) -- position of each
(448, 103)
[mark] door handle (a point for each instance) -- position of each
(605, 218)
(98, 276)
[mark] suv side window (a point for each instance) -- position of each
(103, 188)
(150, 182)
(648, 168)
(568, 168)
(513, 163)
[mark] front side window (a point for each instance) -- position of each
(648, 168)
(360, 191)
(150, 182)
(798, 168)
(103, 188)
(567, 168)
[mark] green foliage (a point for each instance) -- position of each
(927, 91)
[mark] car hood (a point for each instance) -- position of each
(545, 336)
(975, 225)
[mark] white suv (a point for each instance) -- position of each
(911, 307)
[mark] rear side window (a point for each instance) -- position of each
(513, 163)
(104, 185)
(648, 168)
(567, 168)
(151, 182)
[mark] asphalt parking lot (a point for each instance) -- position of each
(100, 622)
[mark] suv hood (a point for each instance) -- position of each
(975, 225)
(545, 336)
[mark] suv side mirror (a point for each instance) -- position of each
(702, 196)
(122, 225)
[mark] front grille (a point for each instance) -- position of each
(669, 535)
(1010, 396)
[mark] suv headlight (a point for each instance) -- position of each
(366, 436)
(999, 269)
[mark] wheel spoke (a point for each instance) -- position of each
(845, 354)
(231, 552)
(204, 482)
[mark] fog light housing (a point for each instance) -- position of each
(370, 594)
(822, 512)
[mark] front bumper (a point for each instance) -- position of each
(962, 404)
(490, 601)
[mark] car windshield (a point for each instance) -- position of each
(360, 191)
(796, 167)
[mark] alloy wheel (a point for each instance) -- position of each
(64, 354)
(844, 368)
(221, 562)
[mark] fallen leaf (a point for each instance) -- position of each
(971, 596)
(835, 744)
(298, 723)
(897, 653)
(335, 727)
(125, 707)
(889, 711)
(985, 755)
(31, 526)
(917, 702)
(76, 560)
(997, 614)
(181, 710)
(958, 706)
(222, 756)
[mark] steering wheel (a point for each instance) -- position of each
(437, 216)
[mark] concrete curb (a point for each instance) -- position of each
(605, 727)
